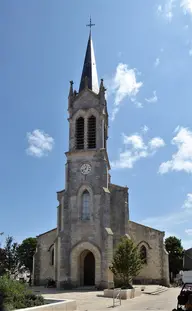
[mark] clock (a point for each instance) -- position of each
(85, 169)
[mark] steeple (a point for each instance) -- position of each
(89, 67)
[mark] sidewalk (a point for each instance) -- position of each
(94, 301)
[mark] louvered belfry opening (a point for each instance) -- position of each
(91, 132)
(80, 133)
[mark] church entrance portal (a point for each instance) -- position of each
(87, 268)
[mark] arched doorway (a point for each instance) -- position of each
(77, 258)
(89, 269)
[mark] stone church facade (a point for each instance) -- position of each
(93, 213)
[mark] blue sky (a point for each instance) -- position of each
(144, 53)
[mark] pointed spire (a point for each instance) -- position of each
(71, 89)
(102, 88)
(102, 91)
(89, 67)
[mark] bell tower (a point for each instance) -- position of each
(85, 240)
(88, 128)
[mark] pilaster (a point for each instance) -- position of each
(107, 257)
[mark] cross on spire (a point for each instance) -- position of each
(89, 74)
(90, 24)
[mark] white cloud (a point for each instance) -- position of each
(135, 148)
(182, 159)
(156, 142)
(168, 234)
(188, 231)
(138, 104)
(157, 62)
(123, 85)
(159, 8)
(40, 143)
(167, 9)
(144, 129)
(152, 99)
(135, 140)
(187, 6)
(186, 244)
(169, 222)
(188, 202)
(190, 52)
(176, 129)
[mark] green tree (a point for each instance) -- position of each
(175, 250)
(2, 261)
(127, 262)
(10, 253)
(26, 250)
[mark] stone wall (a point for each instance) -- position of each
(152, 239)
(42, 264)
(78, 233)
(119, 211)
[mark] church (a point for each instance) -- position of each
(93, 212)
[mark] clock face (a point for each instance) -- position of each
(85, 169)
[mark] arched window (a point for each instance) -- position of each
(52, 257)
(91, 132)
(85, 205)
(143, 254)
(80, 133)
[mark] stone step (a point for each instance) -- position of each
(158, 290)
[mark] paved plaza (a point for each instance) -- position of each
(93, 301)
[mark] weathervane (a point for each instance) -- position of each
(90, 24)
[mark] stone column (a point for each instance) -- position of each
(36, 267)
(165, 267)
(55, 261)
(58, 261)
(33, 273)
(107, 257)
(63, 262)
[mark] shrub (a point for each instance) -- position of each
(16, 295)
